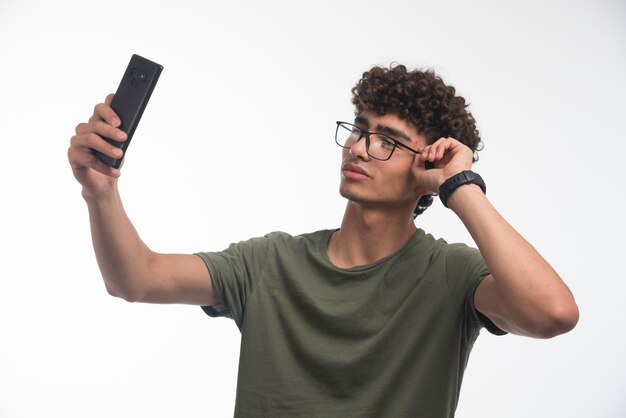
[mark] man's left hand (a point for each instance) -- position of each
(448, 156)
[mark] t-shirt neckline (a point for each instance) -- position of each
(323, 250)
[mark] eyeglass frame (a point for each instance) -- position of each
(367, 134)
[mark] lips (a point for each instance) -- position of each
(353, 171)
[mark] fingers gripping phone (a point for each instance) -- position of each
(130, 101)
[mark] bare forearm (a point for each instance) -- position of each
(122, 257)
(535, 296)
(511, 259)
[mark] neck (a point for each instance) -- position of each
(369, 234)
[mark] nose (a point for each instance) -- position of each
(359, 149)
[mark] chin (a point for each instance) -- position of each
(353, 195)
(346, 192)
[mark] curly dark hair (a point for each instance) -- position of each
(422, 98)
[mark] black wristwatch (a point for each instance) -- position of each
(456, 181)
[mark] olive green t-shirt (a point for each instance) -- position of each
(389, 339)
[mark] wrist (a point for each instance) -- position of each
(463, 198)
(466, 177)
(103, 194)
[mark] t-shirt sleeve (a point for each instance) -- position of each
(234, 274)
(465, 270)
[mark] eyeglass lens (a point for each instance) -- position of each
(380, 147)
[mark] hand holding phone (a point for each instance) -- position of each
(130, 101)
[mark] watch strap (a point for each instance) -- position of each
(458, 180)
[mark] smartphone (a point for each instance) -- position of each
(130, 101)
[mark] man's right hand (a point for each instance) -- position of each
(95, 176)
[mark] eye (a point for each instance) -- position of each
(386, 143)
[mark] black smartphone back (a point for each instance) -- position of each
(131, 99)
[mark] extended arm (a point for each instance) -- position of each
(129, 268)
(523, 294)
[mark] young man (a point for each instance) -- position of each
(376, 318)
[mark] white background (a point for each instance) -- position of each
(237, 141)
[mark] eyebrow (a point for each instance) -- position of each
(382, 129)
(362, 120)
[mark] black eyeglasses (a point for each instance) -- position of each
(377, 146)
